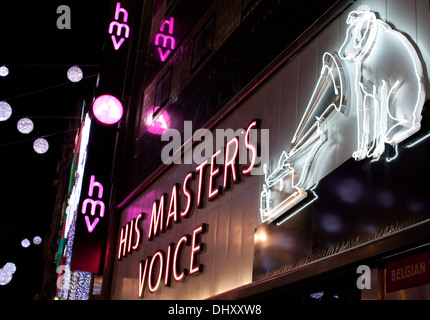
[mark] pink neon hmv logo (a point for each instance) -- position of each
(119, 27)
(93, 204)
(164, 41)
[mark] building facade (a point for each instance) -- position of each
(272, 148)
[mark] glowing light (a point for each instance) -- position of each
(5, 277)
(4, 71)
(107, 109)
(187, 194)
(200, 169)
(250, 147)
(25, 125)
(166, 39)
(173, 207)
(37, 240)
(214, 192)
(75, 74)
(158, 124)
(94, 204)
(396, 100)
(41, 146)
(309, 136)
(6, 273)
(152, 288)
(388, 103)
(118, 10)
(417, 141)
(196, 248)
(25, 243)
(10, 267)
(183, 241)
(5, 111)
(231, 162)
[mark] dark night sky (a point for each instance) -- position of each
(38, 55)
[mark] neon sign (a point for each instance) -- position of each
(168, 42)
(162, 264)
(119, 26)
(93, 204)
(107, 109)
(387, 79)
(389, 99)
(158, 124)
(166, 212)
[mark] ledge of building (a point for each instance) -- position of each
(371, 253)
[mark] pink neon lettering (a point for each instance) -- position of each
(122, 242)
(116, 44)
(168, 264)
(213, 173)
(169, 23)
(231, 163)
(94, 204)
(187, 194)
(130, 235)
(94, 183)
(200, 189)
(91, 226)
(156, 225)
(173, 207)
(166, 39)
(142, 277)
(153, 288)
(195, 250)
(183, 241)
(137, 231)
(163, 56)
(119, 26)
(119, 10)
(251, 147)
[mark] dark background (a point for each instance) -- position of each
(38, 56)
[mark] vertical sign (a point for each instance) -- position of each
(93, 210)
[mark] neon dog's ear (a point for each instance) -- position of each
(364, 33)
(352, 16)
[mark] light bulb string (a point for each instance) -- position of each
(45, 117)
(41, 136)
(47, 88)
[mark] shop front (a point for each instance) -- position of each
(310, 184)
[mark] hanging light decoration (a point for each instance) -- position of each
(5, 277)
(75, 74)
(25, 125)
(25, 243)
(10, 267)
(37, 240)
(5, 110)
(41, 146)
(4, 71)
(6, 273)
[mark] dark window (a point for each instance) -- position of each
(203, 43)
(162, 90)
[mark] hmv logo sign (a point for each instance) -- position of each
(119, 24)
(164, 40)
(93, 205)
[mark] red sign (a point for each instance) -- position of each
(408, 272)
